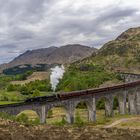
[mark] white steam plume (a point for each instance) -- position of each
(56, 74)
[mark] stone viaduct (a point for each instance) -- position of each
(128, 98)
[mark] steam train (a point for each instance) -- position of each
(64, 96)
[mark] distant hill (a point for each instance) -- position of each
(121, 54)
(51, 55)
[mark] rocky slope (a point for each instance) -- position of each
(52, 55)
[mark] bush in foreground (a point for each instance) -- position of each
(22, 118)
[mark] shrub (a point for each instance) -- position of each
(82, 105)
(101, 104)
(5, 115)
(10, 87)
(36, 93)
(50, 114)
(115, 103)
(78, 120)
(36, 121)
(62, 122)
(22, 118)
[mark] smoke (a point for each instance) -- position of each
(56, 74)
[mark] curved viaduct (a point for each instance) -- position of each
(128, 98)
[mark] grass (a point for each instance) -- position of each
(31, 114)
(91, 76)
(59, 115)
(13, 96)
(132, 123)
(6, 102)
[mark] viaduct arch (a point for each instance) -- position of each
(131, 92)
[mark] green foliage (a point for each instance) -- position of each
(102, 121)
(118, 76)
(36, 121)
(11, 92)
(22, 76)
(50, 114)
(31, 88)
(115, 103)
(22, 118)
(62, 122)
(78, 120)
(79, 77)
(11, 96)
(137, 56)
(24, 69)
(36, 93)
(4, 81)
(4, 115)
(81, 105)
(10, 88)
(7, 102)
(43, 85)
(101, 104)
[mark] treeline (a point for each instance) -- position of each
(18, 70)
(30, 88)
(6, 79)
(23, 76)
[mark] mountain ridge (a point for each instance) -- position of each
(51, 55)
(120, 54)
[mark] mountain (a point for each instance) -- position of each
(128, 43)
(121, 54)
(52, 55)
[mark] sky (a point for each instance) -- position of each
(33, 24)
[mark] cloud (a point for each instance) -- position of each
(32, 24)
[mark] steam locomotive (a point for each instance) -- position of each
(43, 99)
(64, 96)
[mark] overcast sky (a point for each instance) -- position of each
(32, 24)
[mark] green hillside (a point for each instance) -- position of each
(85, 76)
(121, 54)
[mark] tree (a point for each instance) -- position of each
(10, 88)
(36, 93)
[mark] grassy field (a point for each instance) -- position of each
(15, 96)
(11, 96)
(58, 113)
(6, 102)
(133, 123)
